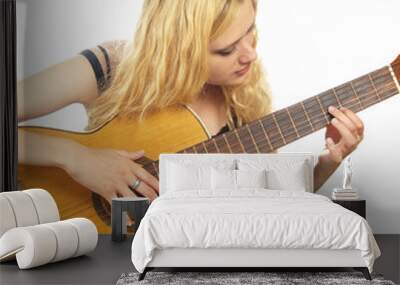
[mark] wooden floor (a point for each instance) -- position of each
(110, 260)
(389, 262)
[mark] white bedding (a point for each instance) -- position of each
(251, 218)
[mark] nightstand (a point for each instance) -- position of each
(357, 206)
(120, 207)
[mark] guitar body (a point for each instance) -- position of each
(167, 131)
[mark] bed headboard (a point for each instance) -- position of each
(231, 159)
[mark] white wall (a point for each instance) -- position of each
(306, 46)
(51, 31)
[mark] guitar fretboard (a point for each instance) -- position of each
(298, 120)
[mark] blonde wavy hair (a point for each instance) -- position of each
(166, 64)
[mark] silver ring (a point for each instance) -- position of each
(135, 184)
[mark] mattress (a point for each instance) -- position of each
(250, 219)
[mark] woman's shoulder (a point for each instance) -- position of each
(104, 59)
(115, 48)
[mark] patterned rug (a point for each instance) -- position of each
(269, 278)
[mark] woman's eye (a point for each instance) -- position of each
(225, 53)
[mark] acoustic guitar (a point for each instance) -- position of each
(178, 129)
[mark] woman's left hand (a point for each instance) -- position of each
(343, 134)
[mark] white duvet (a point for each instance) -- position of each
(251, 218)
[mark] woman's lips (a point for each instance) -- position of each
(244, 70)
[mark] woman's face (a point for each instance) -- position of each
(233, 50)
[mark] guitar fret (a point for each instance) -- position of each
(227, 143)
(275, 137)
(279, 129)
(216, 145)
(200, 148)
(373, 85)
(362, 86)
(221, 144)
(300, 119)
(246, 140)
(365, 92)
(259, 137)
(211, 146)
(328, 99)
(337, 98)
(354, 91)
(233, 142)
(240, 142)
(205, 147)
(265, 134)
(251, 135)
(294, 126)
(313, 109)
(345, 95)
(322, 109)
(286, 126)
(383, 83)
(308, 118)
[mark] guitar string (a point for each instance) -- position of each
(353, 95)
(351, 103)
(320, 118)
(305, 123)
(320, 115)
(380, 73)
(271, 137)
(319, 110)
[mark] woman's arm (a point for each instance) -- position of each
(37, 149)
(51, 89)
(324, 168)
(114, 169)
(71, 81)
(342, 136)
(58, 86)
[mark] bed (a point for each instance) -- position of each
(247, 210)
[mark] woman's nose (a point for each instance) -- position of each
(248, 53)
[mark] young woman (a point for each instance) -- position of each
(201, 53)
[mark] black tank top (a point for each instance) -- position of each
(225, 128)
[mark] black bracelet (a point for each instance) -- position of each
(96, 66)
(107, 62)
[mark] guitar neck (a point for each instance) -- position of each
(286, 125)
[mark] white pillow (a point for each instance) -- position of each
(229, 179)
(251, 178)
(281, 174)
(181, 177)
(288, 179)
(223, 179)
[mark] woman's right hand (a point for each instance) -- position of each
(110, 173)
